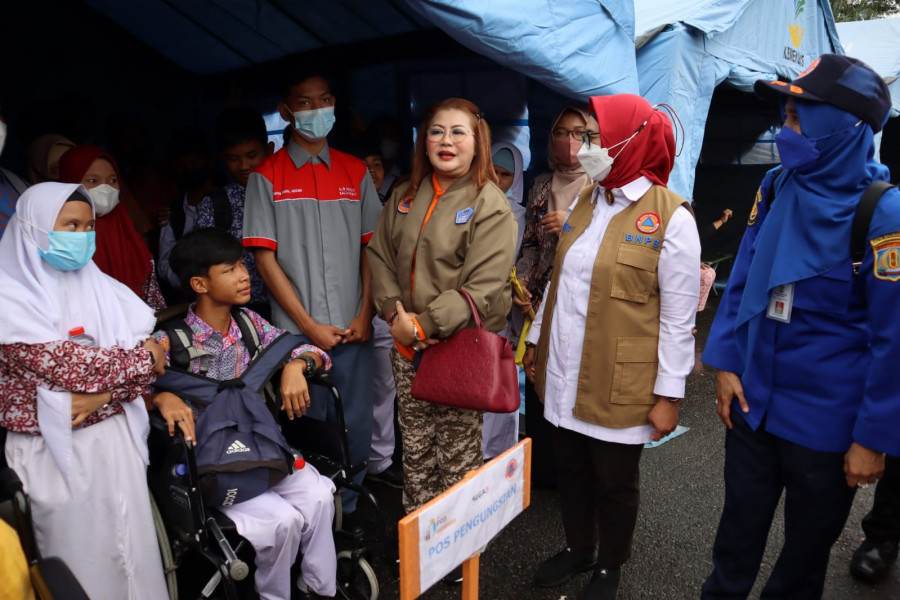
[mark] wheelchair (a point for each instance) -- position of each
(50, 577)
(194, 538)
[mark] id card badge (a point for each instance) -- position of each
(781, 301)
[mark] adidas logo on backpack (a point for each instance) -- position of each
(237, 446)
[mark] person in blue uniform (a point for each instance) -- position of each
(805, 347)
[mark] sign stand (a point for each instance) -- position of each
(454, 527)
(470, 578)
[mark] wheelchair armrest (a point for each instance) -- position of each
(52, 578)
(157, 421)
(322, 377)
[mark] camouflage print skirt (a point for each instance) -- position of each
(440, 444)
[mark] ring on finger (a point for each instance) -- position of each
(179, 420)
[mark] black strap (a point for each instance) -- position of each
(863, 219)
(221, 208)
(770, 193)
(249, 334)
(179, 355)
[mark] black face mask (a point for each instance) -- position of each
(193, 179)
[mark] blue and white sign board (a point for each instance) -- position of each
(460, 522)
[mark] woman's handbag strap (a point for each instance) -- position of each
(478, 323)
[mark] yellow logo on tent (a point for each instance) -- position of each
(797, 30)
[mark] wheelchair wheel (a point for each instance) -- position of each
(355, 578)
(165, 551)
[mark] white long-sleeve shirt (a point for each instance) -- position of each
(678, 274)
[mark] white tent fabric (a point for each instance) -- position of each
(876, 43)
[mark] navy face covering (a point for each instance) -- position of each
(800, 153)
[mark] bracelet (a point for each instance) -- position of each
(530, 345)
(417, 331)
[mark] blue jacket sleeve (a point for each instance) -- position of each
(721, 351)
(876, 422)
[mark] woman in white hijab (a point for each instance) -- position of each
(74, 360)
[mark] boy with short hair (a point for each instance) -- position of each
(242, 142)
(297, 512)
(310, 212)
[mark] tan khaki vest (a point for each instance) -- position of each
(619, 360)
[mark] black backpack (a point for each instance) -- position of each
(240, 450)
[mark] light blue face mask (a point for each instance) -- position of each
(314, 124)
(69, 250)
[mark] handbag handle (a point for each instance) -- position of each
(478, 323)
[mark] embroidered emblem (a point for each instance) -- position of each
(567, 227)
(404, 206)
(754, 212)
(887, 256)
(643, 240)
(648, 223)
(464, 215)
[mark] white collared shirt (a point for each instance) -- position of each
(678, 273)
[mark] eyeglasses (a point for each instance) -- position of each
(457, 134)
(560, 133)
(587, 137)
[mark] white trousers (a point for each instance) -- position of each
(382, 449)
(296, 514)
(101, 525)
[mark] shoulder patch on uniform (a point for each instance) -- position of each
(648, 222)
(886, 251)
(404, 206)
(754, 212)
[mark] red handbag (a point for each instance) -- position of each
(473, 369)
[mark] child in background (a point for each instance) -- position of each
(121, 251)
(297, 512)
(242, 141)
(501, 430)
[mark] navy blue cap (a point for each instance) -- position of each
(844, 82)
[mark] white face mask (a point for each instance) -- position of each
(596, 160)
(314, 124)
(105, 198)
(2, 136)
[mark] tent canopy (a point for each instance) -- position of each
(671, 51)
(678, 52)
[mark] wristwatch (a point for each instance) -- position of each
(310, 366)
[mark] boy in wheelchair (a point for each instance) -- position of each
(297, 512)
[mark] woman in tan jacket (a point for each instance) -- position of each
(450, 228)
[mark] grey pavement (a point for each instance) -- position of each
(681, 501)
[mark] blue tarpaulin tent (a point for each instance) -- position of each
(671, 51)
(678, 53)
